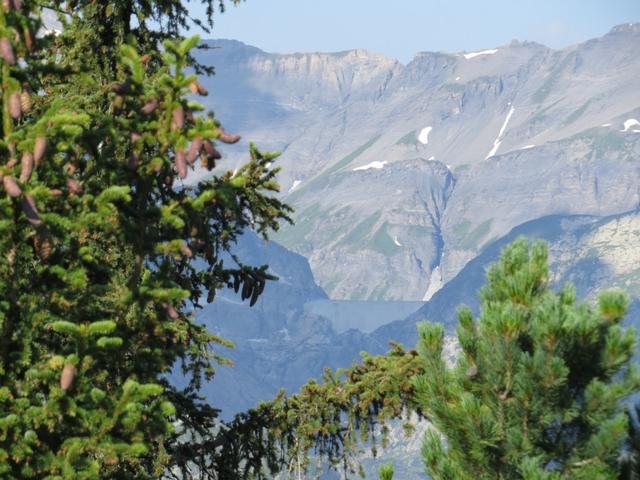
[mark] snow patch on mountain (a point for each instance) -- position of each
(424, 135)
(435, 284)
(295, 185)
(632, 122)
(285, 334)
(375, 164)
(498, 141)
(471, 55)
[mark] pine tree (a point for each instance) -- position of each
(630, 454)
(99, 239)
(537, 389)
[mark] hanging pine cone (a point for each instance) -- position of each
(25, 101)
(39, 149)
(68, 375)
(29, 39)
(6, 50)
(42, 243)
(181, 163)
(177, 122)
(212, 154)
(150, 106)
(197, 87)
(202, 90)
(11, 187)
(194, 150)
(30, 210)
(15, 110)
(186, 251)
(211, 150)
(27, 166)
(74, 187)
(172, 313)
(228, 137)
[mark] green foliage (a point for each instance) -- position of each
(630, 454)
(537, 388)
(99, 241)
(536, 392)
(333, 418)
(386, 472)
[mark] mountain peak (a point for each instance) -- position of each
(633, 28)
(231, 46)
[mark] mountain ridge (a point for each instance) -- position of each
(411, 169)
(621, 28)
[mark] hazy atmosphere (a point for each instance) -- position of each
(401, 28)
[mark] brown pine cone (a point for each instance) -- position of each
(27, 166)
(39, 149)
(11, 187)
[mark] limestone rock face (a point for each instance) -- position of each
(401, 174)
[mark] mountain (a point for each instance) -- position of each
(292, 333)
(592, 253)
(408, 180)
(402, 174)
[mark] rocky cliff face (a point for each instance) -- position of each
(401, 174)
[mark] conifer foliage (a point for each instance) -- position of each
(333, 418)
(386, 472)
(99, 238)
(537, 389)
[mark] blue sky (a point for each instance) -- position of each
(400, 28)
